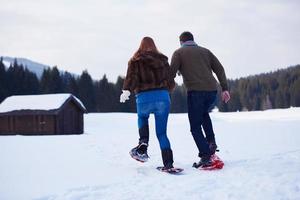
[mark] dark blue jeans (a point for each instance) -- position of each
(199, 103)
(207, 124)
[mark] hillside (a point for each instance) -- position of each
(260, 149)
(32, 66)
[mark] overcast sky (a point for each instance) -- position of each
(248, 37)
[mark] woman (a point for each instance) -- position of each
(148, 76)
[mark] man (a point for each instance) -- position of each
(196, 65)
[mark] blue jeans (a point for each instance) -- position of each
(199, 103)
(158, 103)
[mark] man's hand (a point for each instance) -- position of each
(124, 96)
(225, 96)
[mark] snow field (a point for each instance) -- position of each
(261, 152)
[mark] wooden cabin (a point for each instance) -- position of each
(48, 114)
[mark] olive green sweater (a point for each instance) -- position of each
(196, 65)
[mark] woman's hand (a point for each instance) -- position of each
(124, 96)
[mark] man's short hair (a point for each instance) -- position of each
(186, 36)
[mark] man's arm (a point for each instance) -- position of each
(219, 71)
(175, 64)
(170, 79)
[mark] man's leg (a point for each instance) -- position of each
(208, 129)
(211, 98)
(207, 124)
(196, 110)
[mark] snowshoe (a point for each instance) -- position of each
(139, 153)
(173, 170)
(213, 163)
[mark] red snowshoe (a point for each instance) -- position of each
(215, 163)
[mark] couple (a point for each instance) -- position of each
(151, 78)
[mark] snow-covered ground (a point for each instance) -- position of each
(261, 151)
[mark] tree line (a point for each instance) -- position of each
(278, 89)
(97, 95)
(265, 91)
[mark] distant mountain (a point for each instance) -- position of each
(32, 66)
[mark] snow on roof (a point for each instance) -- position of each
(35, 102)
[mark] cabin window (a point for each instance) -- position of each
(42, 122)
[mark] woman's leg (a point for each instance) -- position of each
(161, 115)
(143, 116)
(140, 151)
(161, 119)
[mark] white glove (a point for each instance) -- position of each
(124, 96)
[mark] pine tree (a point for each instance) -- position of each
(104, 95)
(45, 81)
(3, 81)
(70, 84)
(266, 104)
(51, 81)
(56, 85)
(15, 77)
(295, 93)
(31, 83)
(86, 91)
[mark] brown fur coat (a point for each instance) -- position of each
(148, 71)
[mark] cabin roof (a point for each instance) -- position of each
(44, 102)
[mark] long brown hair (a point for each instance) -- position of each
(147, 44)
